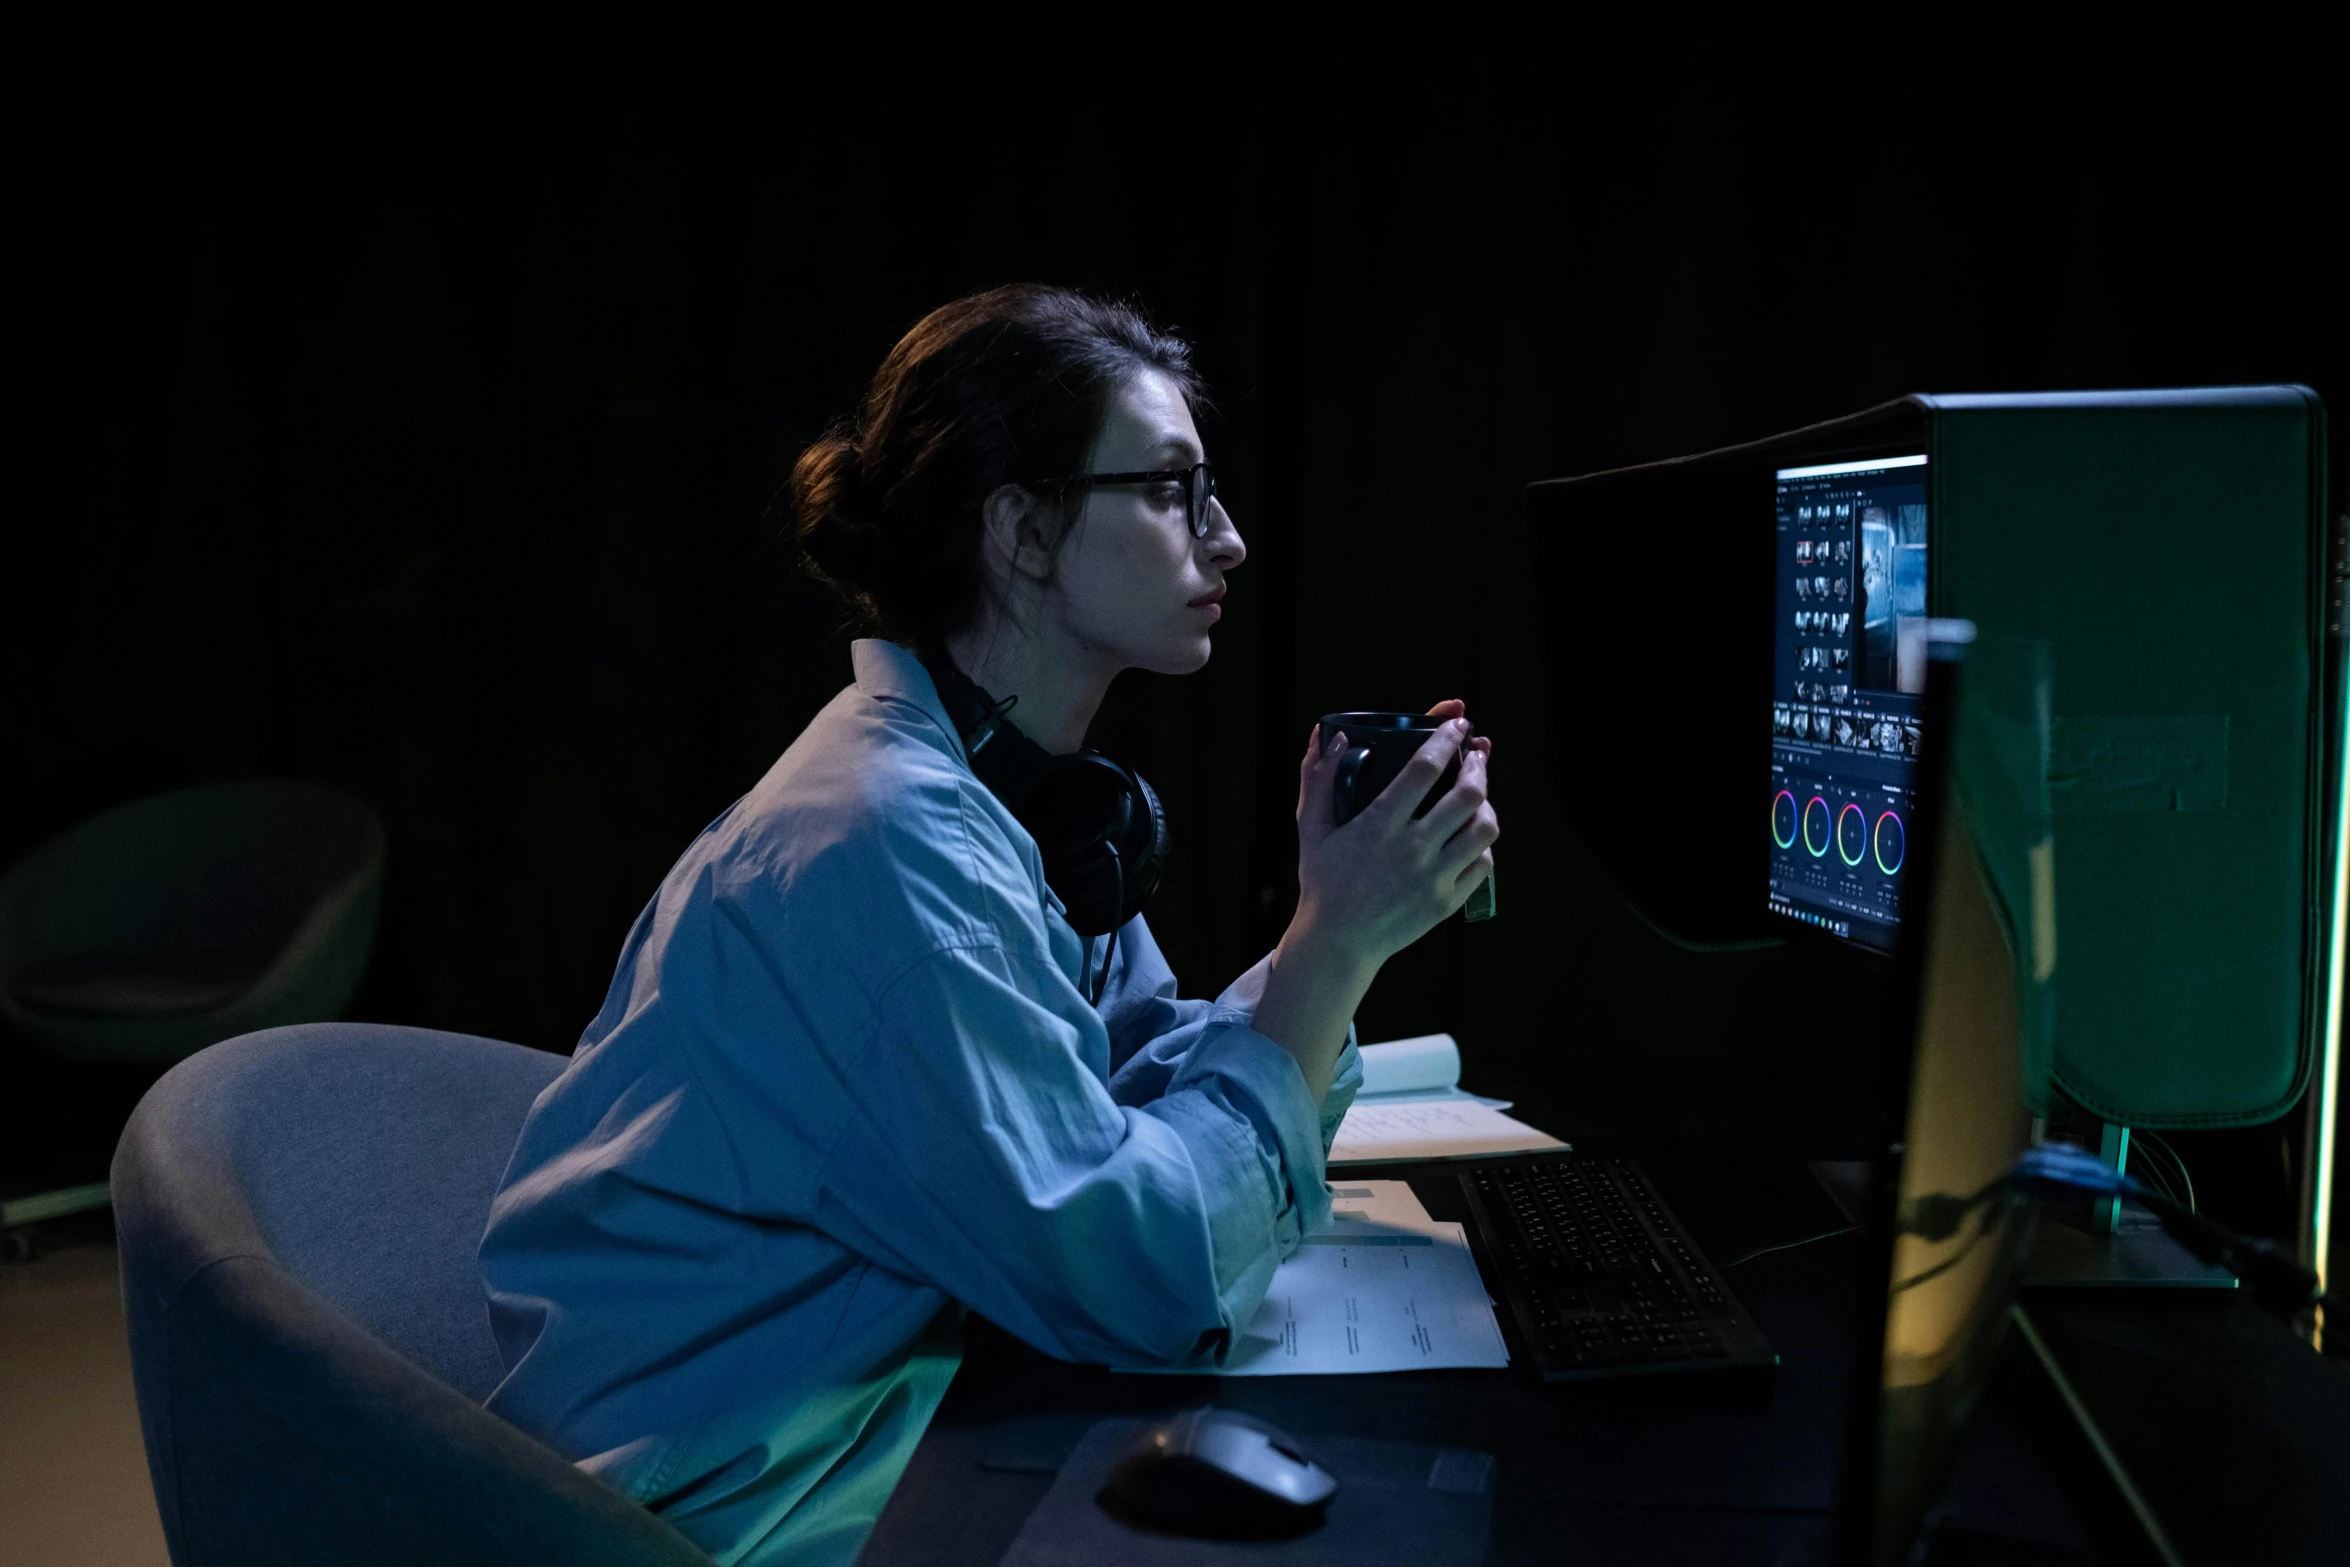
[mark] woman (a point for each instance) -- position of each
(857, 1072)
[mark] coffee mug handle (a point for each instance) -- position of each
(1343, 804)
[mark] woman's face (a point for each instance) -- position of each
(1130, 583)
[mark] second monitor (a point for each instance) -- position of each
(1846, 691)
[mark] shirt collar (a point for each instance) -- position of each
(884, 670)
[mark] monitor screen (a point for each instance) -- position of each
(1846, 686)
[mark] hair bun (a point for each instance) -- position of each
(838, 539)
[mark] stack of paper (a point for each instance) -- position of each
(1384, 1288)
(1461, 1129)
(1412, 1107)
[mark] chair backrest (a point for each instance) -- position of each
(156, 928)
(299, 1211)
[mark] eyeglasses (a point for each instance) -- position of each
(1198, 481)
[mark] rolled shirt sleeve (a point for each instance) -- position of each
(982, 1155)
(1145, 1061)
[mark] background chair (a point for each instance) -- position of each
(149, 932)
(298, 1213)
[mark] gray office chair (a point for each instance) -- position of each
(298, 1213)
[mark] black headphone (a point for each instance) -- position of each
(1097, 824)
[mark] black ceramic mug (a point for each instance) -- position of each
(1377, 746)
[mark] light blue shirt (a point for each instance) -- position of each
(845, 1085)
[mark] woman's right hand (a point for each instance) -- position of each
(1385, 879)
(1371, 888)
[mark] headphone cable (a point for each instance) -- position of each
(1118, 870)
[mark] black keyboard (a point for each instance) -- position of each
(1601, 1277)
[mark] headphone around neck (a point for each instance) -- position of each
(1097, 824)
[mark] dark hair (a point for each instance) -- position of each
(1002, 387)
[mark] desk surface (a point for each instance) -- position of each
(1719, 1469)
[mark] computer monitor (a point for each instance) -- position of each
(2168, 545)
(1947, 1239)
(1846, 688)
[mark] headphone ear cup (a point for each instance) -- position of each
(1102, 835)
(1145, 846)
(1098, 826)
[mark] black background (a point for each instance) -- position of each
(423, 443)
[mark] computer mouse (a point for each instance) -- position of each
(1217, 1472)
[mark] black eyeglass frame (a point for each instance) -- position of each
(1198, 481)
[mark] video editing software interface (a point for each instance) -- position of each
(1846, 691)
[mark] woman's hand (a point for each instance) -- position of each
(1385, 879)
(1373, 887)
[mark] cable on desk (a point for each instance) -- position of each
(2181, 1190)
(2150, 1172)
(1764, 1251)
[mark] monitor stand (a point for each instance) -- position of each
(2134, 1253)
(2115, 1244)
(2138, 1254)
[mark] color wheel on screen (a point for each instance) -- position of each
(1816, 826)
(1852, 835)
(1892, 843)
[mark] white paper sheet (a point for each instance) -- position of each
(1374, 1298)
(1390, 1203)
(1425, 1067)
(1431, 1129)
(1430, 1063)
